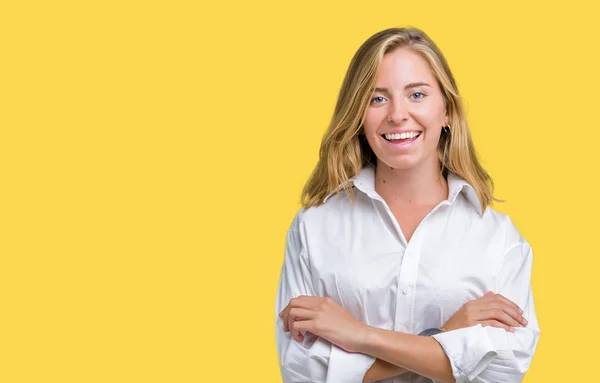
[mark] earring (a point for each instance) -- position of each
(446, 129)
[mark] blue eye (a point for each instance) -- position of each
(421, 93)
(373, 99)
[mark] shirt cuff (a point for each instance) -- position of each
(469, 351)
(306, 361)
(348, 367)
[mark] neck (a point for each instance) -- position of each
(422, 186)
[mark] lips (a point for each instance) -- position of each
(402, 144)
(401, 137)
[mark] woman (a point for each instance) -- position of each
(396, 239)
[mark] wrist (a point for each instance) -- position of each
(365, 338)
(369, 340)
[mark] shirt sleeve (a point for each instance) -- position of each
(314, 359)
(490, 354)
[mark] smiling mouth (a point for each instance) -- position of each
(401, 137)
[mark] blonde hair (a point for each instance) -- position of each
(344, 149)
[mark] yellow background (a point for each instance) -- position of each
(152, 156)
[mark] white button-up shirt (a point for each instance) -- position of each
(357, 255)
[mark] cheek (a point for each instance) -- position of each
(429, 117)
(371, 123)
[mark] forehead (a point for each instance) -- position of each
(403, 66)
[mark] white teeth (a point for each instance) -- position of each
(401, 136)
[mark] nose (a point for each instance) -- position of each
(398, 111)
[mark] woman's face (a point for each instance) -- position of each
(404, 119)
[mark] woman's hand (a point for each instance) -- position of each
(490, 310)
(324, 317)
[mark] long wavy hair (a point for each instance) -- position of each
(344, 149)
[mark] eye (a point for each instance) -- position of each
(422, 95)
(375, 98)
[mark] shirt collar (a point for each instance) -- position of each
(365, 182)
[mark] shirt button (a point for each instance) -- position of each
(406, 290)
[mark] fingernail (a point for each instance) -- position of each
(512, 329)
(520, 311)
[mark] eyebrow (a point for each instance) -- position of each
(408, 86)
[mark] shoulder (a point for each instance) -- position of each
(338, 206)
(337, 203)
(513, 239)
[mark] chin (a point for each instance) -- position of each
(400, 164)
